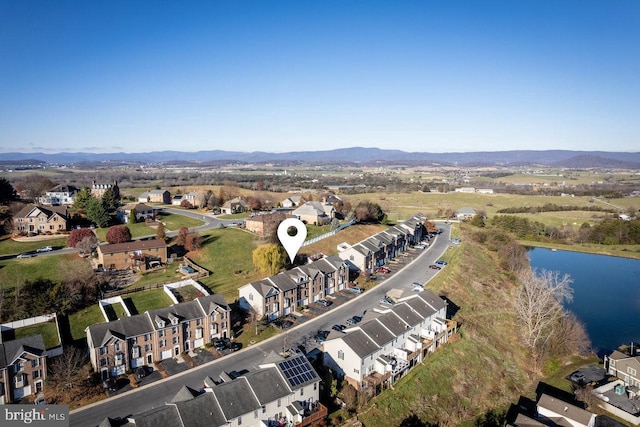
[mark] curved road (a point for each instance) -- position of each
(156, 394)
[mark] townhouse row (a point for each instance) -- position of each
(382, 247)
(23, 368)
(279, 295)
(389, 340)
(142, 339)
(282, 392)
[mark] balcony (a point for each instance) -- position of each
(315, 413)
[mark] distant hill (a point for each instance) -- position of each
(353, 155)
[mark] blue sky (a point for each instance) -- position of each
(431, 76)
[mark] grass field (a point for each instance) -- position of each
(48, 331)
(10, 246)
(227, 253)
(149, 300)
(17, 271)
(79, 320)
(174, 222)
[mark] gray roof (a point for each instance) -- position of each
(360, 343)
(432, 299)
(420, 307)
(185, 393)
(267, 385)
(166, 415)
(393, 322)
(235, 398)
(565, 409)
(408, 314)
(284, 281)
(209, 303)
(12, 350)
(138, 324)
(201, 411)
(377, 332)
(184, 311)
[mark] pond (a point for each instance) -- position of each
(606, 294)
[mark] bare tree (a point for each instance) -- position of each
(65, 367)
(538, 306)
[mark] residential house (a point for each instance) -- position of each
(176, 200)
(98, 190)
(23, 368)
(265, 225)
(279, 295)
(142, 339)
(389, 341)
(378, 249)
(293, 201)
(465, 213)
(136, 255)
(40, 219)
(233, 206)
(142, 212)
(59, 195)
(196, 198)
(281, 392)
(314, 213)
(558, 412)
(624, 367)
(160, 196)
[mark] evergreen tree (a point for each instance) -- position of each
(82, 199)
(97, 213)
(110, 200)
(7, 192)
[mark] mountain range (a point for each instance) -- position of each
(354, 155)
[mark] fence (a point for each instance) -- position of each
(45, 318)
(169, 288)
(329, 234)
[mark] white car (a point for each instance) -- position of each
(44, 249)
(26, 255)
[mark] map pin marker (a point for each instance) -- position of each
(292, 239)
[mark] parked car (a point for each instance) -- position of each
(357, 318)
(26, 255)
(338, 328)
(110, 384)
(382, 270)
(351, 322)
(386, 300)
(219, 345)
(324, 302)
(441, 262)
(44, 249)
(356, 290)
(321, 336)
(420, 246)
(418, 284)
(577, 377)
(435, 267)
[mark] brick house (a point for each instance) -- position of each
(23, 368)
(265, 225)
(279, 295)
(143, 212)
(98, 190)
(40, 219)
(142, 339)
(136, 255)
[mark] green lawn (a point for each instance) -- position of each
(139, 229)
(174, 222)
(227, 253)
(10, 246)
(149, 300)
(242, 215)
(165, 275)
(48, 331)
(78, 321)
(17, 271)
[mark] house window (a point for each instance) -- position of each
(264, 409)
(631, 371)
(302, 391)
(175, 330)
(355, 371)
(198, 322)
(250, 297)
(35, 374)
(19, 366)
(340, 354)
(315, 386)
(161, 333)
(103, 362)
(279, 402)
(135, 352)
(162, 343)
(239, 420)
(147, 337)
(35, 362)
(117, 346)
(175, 340)
(255, 414)
(147, 348)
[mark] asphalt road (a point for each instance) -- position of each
(156, 394)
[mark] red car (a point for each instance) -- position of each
(434, 267)
(382, 270)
